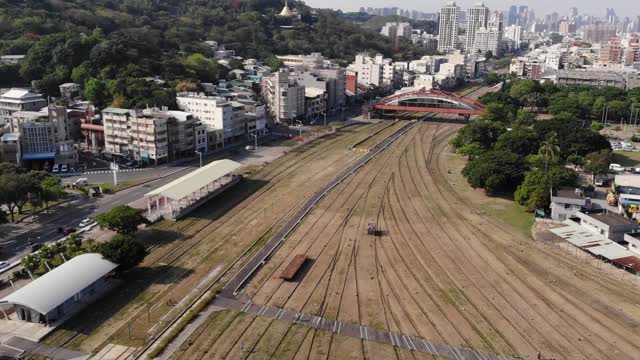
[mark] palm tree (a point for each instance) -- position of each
(549, 149)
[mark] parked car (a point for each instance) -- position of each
(64, 168)
(68, 231)
(55, 169)
(3, 264)
(86, 222)
(248, 147)
(616, 167)
(131, 163)
(36, 247)
(81, 182)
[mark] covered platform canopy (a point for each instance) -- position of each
(184, 194)
(54, 288)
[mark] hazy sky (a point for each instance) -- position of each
(629, 8)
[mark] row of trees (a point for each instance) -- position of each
(122, 249)
(18, 188)
(569, 102)
(511, 152)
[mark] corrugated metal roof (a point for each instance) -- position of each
(627, 180)
(196, 180)
(591, 242)
(55, 287)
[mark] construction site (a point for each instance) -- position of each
(360, 244)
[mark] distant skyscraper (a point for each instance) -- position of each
(448, 27)
(573, 13)
(476, 19)
(513, 15)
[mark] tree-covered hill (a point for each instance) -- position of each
(110, 45)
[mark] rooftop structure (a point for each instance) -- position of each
(49, 295)
(184, 194)
(591, 78)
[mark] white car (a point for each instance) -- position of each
(248, 147)
(86, 222)
(3, 264)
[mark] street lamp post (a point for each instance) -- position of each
(300, 126)
(256, 143)
(341, 113)
(199, 154)
(325, 117)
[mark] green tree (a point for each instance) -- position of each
(598, 163)
(122, 219)
(495, 171)
(520, 140)
(617, 109)
(576, 160)
(51, 189)
(555, 38)
(549, 149)
(525, 117)
(122, 250)
(597, 109)
(480, 132)
(526, 91)
(492, 78)
(596, 126)
(534, 192)
(203, 69)
(96, 91)
(274, 63)
(470, 150)
(496, 112)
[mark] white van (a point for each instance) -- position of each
(616, 167)
(81, 182)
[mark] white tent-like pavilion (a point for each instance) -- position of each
(184, 194)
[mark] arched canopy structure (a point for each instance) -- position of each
(432, 101)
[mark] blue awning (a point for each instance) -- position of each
(39, 156)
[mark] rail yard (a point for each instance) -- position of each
(436, 278)
(438, 269)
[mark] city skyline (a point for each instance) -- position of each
(541, 7)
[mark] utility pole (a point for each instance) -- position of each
(256, 143)
(325, 117)
(199, 154)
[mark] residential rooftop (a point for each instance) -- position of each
(567, 192)
(609, 218)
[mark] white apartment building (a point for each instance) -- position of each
(284, 96)
(448, 27)
(489, 38)
(396, 29)
(553, 61)
(377, 71)
(214, 112)
(477, 17)
(514, 32)
(19, 100)
(131, 133)
(305, 62)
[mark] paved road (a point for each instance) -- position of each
(355, 330)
